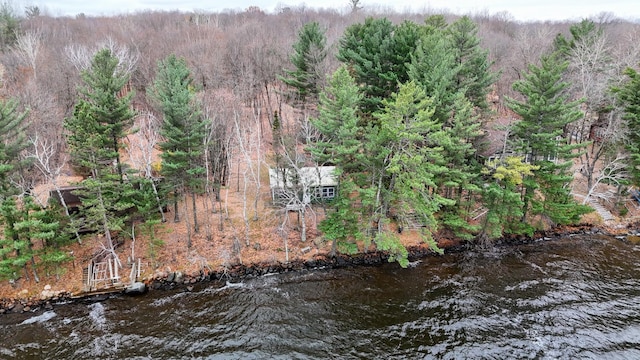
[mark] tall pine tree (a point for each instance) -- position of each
(545, 112)
(460, 182)
(377, 52)
(14, 251)
(101, 119)
(103, 110)
(433, 67)
(406, 149)
(474, 76)
(502, 199)
(340, 141)
(183, 129)
(629, 95)
(12, 142)
(340, 144)
(308, 54)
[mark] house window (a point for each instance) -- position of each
(326, 192)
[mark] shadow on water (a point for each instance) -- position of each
(570, 298)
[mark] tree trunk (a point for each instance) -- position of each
(26, 272)
(107, 232)
(303, 225)
(118, 162)
(196, 226)
(155, 192)
(207, 219)
(187, 224)
(33, 264)
(528, 193)
(286, 249)
(221, 217)
(238, 180)
(176, 216)
(245, 215)
(256, 172)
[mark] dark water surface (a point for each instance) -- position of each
(573, 298)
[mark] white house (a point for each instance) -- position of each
(308, 183)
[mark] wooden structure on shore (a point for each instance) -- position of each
(101, 275)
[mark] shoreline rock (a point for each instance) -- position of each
(137, 288)
(176, 279)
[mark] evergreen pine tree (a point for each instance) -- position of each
(47, 226)
(102, 110)
(12, 142)
(340, 141)
(406, 36)
(433, 67)
(377, 52)
(340, 145)
(474, 76)
(460, 182)
(34, 225)
(308, 54)
(15, 250)
(30, 231)
(629, 95)
(435, 22)
(503, 200)
(86, 140)
(585, 30)
(406, 149)
(100, 120)
(342, 225)
(544, 114)
(449, 60)
(9, 25)
(183, 130)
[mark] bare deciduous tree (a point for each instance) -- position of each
(81, 56)
(248, 141)
(50, 164)
(142, 149)
(613, 173)
(297, 192)
(27, 47)
(591, 70)
(355, 5)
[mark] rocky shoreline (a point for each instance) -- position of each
(170, 280)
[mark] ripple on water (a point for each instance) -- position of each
(7, 352)
(44, 317)
(524, 285)
(96, 314)
(168, 299)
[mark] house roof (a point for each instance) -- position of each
(67, 193)
(311, 175)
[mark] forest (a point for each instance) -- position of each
(165, 127)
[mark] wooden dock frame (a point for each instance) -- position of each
(102, 276)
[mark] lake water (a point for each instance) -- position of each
(576, 297)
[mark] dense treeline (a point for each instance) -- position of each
(470, 126)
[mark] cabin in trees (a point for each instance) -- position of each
(305, 184)
(497, 146)
(68, 194)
